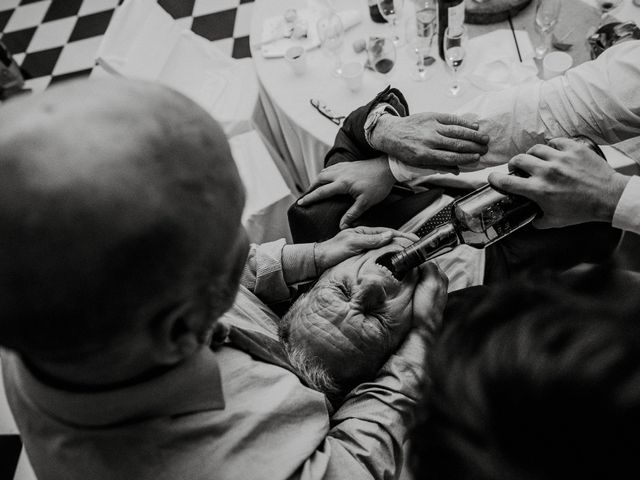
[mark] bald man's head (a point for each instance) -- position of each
(118, 200)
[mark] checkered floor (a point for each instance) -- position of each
(53, 40)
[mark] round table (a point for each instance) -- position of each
(302, 136)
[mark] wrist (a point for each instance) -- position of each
(382, 131)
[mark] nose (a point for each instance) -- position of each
(370, 293)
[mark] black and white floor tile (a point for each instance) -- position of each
(53, 40)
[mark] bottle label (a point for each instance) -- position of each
(456, 17)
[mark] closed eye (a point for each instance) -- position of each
(343, 289)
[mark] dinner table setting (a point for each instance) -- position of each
(318, 60)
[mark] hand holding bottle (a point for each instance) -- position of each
(567, 180)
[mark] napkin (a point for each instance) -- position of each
(139, 39)
(497, 65)
(226, 88)
(143, 41)
(274, 27)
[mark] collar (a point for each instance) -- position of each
(191, 386)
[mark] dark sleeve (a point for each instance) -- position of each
(350, 143)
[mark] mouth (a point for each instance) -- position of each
(385, 263)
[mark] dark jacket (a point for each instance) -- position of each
(320, 221)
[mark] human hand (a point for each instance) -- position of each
(367, 181)
(353, 241)
(430, 298)
(569, 182)
(430, 140)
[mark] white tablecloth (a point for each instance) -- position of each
(303, 136)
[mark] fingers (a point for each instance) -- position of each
(463, 133)
(430, 297)
(358, 208)
(562, 143)
(324, 191)
(544, 152)
(527, 163)
(461, 146)
(360, 242)
(511, 184)
(450, 119)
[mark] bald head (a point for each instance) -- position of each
(117, 199)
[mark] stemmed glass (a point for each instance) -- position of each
(420, 36)
(547, 13)
(455, 45)
(381, 53)
(391, 10)
(331, 35)
(605, 7)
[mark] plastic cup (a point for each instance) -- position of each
(296, 58)
(352, 73)
(555, 63)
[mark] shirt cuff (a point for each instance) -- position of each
(270, 285)
(298, 262)
(627, 214)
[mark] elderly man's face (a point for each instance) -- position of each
(355, 316)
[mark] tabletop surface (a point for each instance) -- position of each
(292, 93)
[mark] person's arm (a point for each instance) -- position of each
(369, 430)
(271, 268)
(599, 99)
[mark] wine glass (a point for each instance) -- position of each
(381, 53)
(547, 13)
(455, 45)
(331, 35)
(391, 10)
(605, 7)
(420, 36)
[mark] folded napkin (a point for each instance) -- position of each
(275, 27)
(227, 88)
(497, 65)
(139, 39)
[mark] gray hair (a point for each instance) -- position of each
(309, 368)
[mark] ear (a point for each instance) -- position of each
(179, 333)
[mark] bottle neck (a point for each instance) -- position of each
(442, 240)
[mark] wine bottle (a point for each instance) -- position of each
(478, 219)
(374, 12)
(450, 14)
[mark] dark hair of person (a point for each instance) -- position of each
(540, 379)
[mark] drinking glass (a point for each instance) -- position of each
(455, 45)
(331, 35)
(391, 10)
(420, 36)
(381, 53)
(605, 7)
(547, 13)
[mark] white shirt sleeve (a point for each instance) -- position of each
(599, 99)
(627, 214)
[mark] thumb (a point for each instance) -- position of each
(360, 206)
(430, 298)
